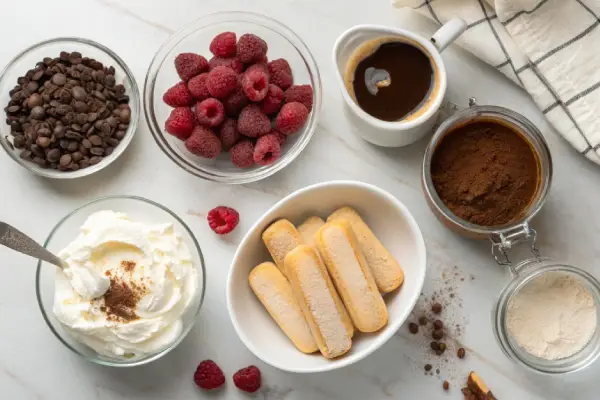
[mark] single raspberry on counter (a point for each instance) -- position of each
(224, 44)
(222, 219)
(178, 96)
(203, 142)
(267, 149)
(255, 82)
(228, 133)
(210, 112)
(235, 102)
(242, 154)
(197, 87)
(251, 48)
(281, 73)
(180, 123)
(300, 93)
(273, 100)
(209, 375)
(247, 379)
(291, 118)
(252, 122)
(221, 81)
(189, 65)
(233, 62)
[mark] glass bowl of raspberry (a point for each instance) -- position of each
(233, 97)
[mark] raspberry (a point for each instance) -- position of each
(197, 87)
(281, 73)
(235, 103)
(208, 375)
(234, 63)
(255, 82)
(180, 123)
(224, 44)
(251, 48)
(291, 117)
(282, 137)
(221, 81)
(300, 93)
(189, 65)
(210, 112)
(242, 154)
(267, 149)
(247, 379)
(203, 142)
(222, 219)
(178, 96)
(228, 133)
(272, 102)
(252, 122)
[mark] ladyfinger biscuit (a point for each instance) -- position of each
(309, 228)
(384, 267)
(316, 295)
(275, 293)
(352, 277)
(281, 237)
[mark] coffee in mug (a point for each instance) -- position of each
(392, 78)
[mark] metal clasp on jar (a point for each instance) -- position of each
(502, 243)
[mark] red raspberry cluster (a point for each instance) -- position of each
(209, 376)
(236, 102)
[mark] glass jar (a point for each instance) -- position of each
(522, 274)
(504, 237)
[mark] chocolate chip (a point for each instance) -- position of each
(43, 141)
(436, 308)
(461, 353)
(423, 320)
(434, 346)
(53, 155)
(446, 385)
(59, 79)
(65, 160)
(35, 100)
(437, 334)
(413, 328)
(428, 367)
(437, 324)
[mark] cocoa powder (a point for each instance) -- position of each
(485, 173)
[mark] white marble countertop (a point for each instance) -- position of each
(34, 365)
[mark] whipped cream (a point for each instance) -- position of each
(125, 287)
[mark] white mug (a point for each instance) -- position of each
(408, 130)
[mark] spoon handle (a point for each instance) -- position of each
(17, 240)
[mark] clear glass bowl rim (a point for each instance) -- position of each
(532, 134)
(185, 330)
(135, 111)
(530, 269)
(245, 176)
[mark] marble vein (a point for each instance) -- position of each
(123, 10)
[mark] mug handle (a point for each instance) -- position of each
(448, 33)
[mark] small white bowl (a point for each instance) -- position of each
(391, 222)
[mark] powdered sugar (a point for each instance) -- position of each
(553, 316)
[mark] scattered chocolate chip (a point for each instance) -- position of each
(423, 320)
(461, 353)
(436, 308)
(446, 385)
(428, 367)
(437, 334)
(434, 346)
(437, 324)
(413, 328)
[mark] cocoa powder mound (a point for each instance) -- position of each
(485, 173)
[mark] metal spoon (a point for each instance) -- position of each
(17, 240)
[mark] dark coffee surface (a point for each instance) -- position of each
(411, 75)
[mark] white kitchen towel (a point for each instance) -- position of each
(550, 47)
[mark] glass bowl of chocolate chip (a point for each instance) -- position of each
(71, 107)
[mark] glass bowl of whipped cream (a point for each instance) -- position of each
(132, 285)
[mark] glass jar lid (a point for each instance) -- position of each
(523, 274)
